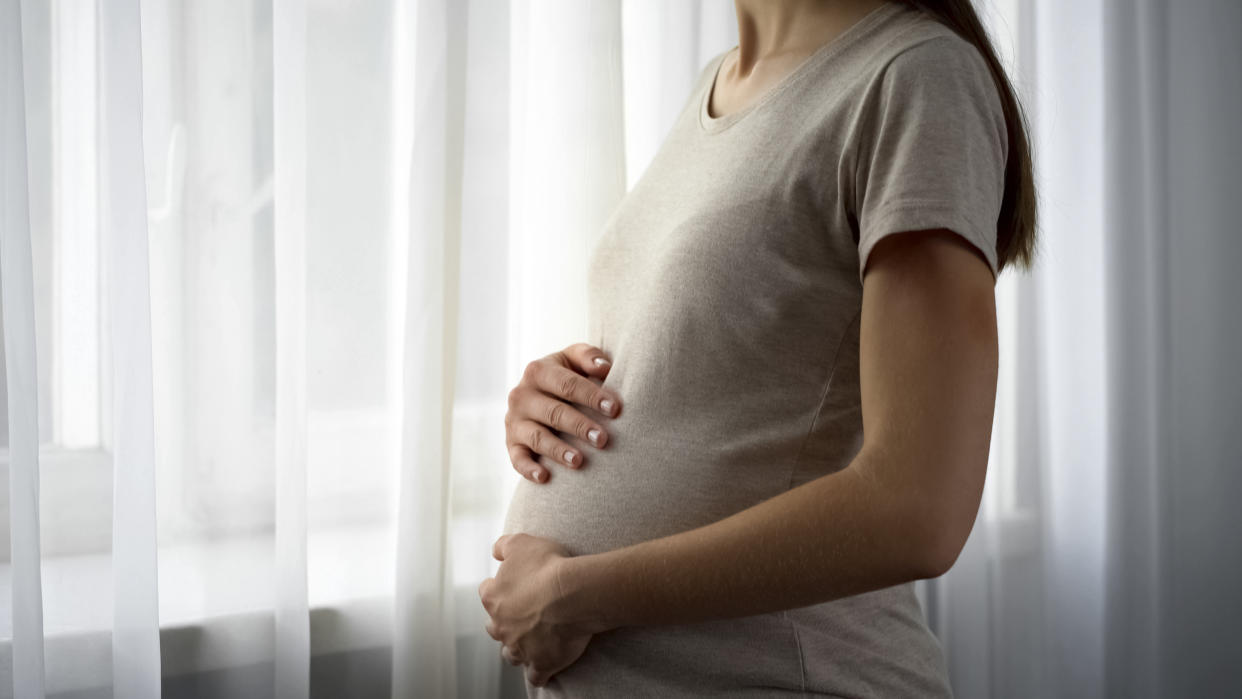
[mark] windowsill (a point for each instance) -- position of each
(217, 597)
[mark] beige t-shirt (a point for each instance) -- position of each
(727, 288)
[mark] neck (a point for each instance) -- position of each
(770, 28)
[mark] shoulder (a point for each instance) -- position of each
(920, 48)
(925, 70)
(944, 58)
(909, 63)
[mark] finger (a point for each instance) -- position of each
(491, 631)
(545, 442)
(534, 677)
(498, 548)
(522, 459)
(563, 417)
(588, 359)
(556, 380)
(483, 598)
(539, 678)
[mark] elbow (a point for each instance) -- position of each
(938, 555)
(944, 518)
(930, 520)
(942, 538)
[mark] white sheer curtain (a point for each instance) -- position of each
(269, 274)
(1105, 560)
(253, 437)
(24, 664)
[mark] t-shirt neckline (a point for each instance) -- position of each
(709, 124)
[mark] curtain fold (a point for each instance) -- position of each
(292, 616)
(249, 247)
(424, 649)
(123, 231)
(18, 315)
(1101, 563)
(1139, 334)
(1068, 127)
(568, 166)
(664, 48)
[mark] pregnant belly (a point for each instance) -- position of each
(648, 482)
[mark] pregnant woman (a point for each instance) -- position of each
(782, 415)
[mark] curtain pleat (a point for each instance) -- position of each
(1067, 127)
(424, 657)
(665, 45)
(568, 165)
(292, 638)
(123, 219)
(1136, 58)
(17, 294)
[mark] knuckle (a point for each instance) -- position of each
(566, 385)
(514, 397)
(536, 439)
(531, 372)
(581, 427)
(556, 413)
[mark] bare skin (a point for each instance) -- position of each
(550, 399)
(774, 38)
(901, 511)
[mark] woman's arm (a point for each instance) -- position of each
(900, 511)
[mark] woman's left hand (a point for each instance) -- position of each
(528, 608)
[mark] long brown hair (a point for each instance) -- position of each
(1015, 230)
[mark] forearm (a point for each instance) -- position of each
(836, 536)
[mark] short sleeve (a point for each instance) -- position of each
(932, 151)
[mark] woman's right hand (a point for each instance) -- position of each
(543, 404)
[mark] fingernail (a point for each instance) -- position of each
(600, 361)
(538, 476)
(593, 435)
(606, 406)
(570, 457)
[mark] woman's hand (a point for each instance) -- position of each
(542, 404)
(530, 615)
